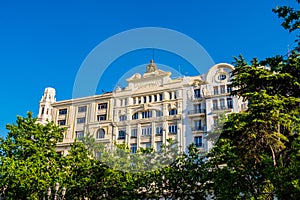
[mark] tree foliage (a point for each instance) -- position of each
(28, 160)
(257, 155)
(258, 149)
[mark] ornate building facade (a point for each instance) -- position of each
(151, 109)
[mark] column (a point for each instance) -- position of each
(128, 133)
(165, 132)
(147, 99)
(138, 136)
(153, 134)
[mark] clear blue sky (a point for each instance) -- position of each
(43, 43)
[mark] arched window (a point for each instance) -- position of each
(135, 116)
(100, 133)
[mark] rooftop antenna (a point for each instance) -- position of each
(153, 54)
(179, 70)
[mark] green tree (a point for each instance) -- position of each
(291, 19)
(259, 148)
(257, 155)
(28, 160)
(84, 175)
(214, 135)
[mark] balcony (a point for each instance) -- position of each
(198, 128)
(120, 137)
(222, 108)
(197, 111)
(199, 145)
(197, 97)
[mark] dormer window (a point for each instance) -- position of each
(222, 77)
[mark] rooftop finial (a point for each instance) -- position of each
(151, 67)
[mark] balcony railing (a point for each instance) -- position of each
(198, 97)
(121, 137)
(196, 111)
(198, 128)
(222, 107)
(199, 145)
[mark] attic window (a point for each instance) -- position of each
(222, 77)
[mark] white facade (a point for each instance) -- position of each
(151, 109)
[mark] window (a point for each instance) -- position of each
(122, 134)
(97, 155)
(147, 130)
(159, 130)
(144, 99)
(173, 128)
(79, 135)
(173, 112)
(101, 117)
(146, 145)
(43, 110)
(222, 89)
(215, 104)
(229, 103)
(81, 120)
(197, 108)
(197, 93)
(159, 113)
(133, 148)
(197, 125)
(229, 88)
(158, 146)
(215, 118)
(123, 102)
(62, 111)
(222, 77)
(82, 109)
(160, 97)
(135, 116)
(102, 106)
(61, 122)
(133, 133)
(222, 103)
(198, 141)
(146, 114)
(100, 134)
(171, 95)
(150, 98)
(134, 100)
(155, 98)
(123, 118)
(216, 90)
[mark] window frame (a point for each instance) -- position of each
(100, 134)
(99, 118)
(81, 109)
(63, 111)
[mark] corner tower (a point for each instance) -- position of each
(45, 108)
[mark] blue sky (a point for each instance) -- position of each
(43, 43)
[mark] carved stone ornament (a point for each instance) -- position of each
(151, 67)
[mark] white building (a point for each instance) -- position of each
(151, 109)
